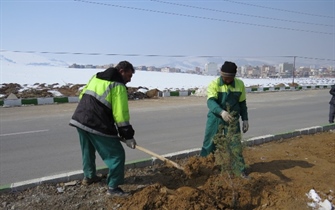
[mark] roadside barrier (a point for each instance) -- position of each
(264, 89)
(75, 99)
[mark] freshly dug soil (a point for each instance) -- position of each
(281, 174)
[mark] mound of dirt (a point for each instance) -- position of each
(42, 90)
(281, 174)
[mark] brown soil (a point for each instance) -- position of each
(281, 174)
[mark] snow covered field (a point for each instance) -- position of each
(28, 69)
(29, 75)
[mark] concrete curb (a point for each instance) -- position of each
(268, 89)
(37, 101)
(78, 175)
(75, 99)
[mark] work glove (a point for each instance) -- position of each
(226, 116)
(245, 126)
(130, 143)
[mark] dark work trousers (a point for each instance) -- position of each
(111, 152)
(331, 113)
(212, 127)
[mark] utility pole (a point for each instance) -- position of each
(293, 71)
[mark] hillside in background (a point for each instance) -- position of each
(183, 63)
(29, 59)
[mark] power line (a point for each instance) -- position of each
(160, 55)
(310, 58)
(241, 14)
(200, 17)
(282, 10)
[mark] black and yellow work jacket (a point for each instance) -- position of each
(332, 92)
(103, 106)
(231, 98)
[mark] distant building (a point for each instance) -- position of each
(283, 70)
(165, 69)
(151, 68)
(106, 66)
(211, 68)
(286, 69)
(268, 71)
(170, 69)
(243, 71)
(89, 66)
(141, 68)
(303, 72)
(197, 70)
(247, 71)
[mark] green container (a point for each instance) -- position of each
(61, 100)
(277, 88)
(1, 102)
(254, 89)
(174, 93)
(266, 89)
(29, 101)
(287, 88)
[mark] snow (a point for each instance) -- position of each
(317, 203)
(29, 75)
(30, 68)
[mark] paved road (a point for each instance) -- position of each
(36, 141)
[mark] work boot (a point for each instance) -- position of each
(88, 181)
(117, 192)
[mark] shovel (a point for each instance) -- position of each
(159, 157)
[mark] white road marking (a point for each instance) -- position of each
(26, 132)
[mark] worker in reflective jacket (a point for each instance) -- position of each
(332, 104)
(102, 120)
(225, 94)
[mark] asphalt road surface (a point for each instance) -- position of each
(36, 141)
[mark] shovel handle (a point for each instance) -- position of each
(159, 157)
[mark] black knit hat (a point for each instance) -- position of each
(228, 69)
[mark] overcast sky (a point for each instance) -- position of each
(262, 29)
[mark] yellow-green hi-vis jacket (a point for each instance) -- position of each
(221, 96)
(103, 107)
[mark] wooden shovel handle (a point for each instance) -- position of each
(159, 157)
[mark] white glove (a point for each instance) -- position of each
(130, 143)
(226, 116)
(245, 126)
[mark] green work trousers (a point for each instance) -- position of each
(212, 127)
(111, 152)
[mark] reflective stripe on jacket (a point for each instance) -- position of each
(221, 96)
(103, 105)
